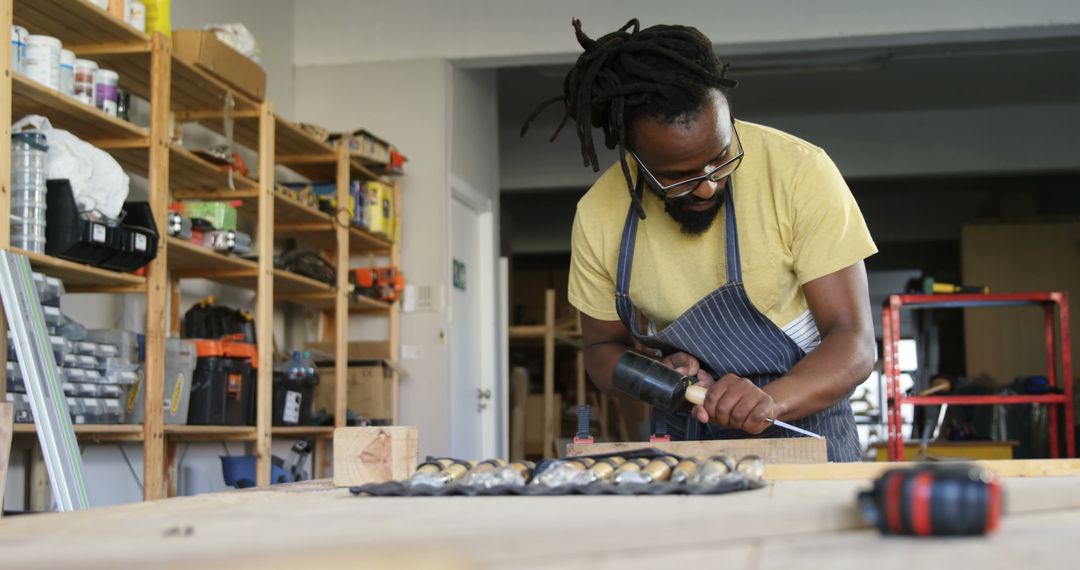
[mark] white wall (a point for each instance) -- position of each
(408, 103)
(1004, 139)
(341, 31)
(271, 21)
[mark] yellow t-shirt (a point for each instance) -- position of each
(796, 217)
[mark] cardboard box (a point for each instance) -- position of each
(369, 389)
(365, 146)
(202, 49)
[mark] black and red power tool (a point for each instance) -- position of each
(934, 500)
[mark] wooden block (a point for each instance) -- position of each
(7, 416)
(873, 470)
(777, 450)
(374, 454)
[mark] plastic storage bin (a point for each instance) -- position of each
(69, 236)
(180, 360)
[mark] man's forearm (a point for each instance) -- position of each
(841, 362)
(600, 361)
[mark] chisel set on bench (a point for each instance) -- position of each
(642, 472)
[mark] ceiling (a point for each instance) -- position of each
(1028, 72)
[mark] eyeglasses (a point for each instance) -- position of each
(684, 187)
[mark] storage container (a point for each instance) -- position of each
(223, 387)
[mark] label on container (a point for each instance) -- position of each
(291, 414)
(140, 242)
(98, 233)
(105, 95)
(174, 402)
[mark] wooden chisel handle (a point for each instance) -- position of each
(696, 395)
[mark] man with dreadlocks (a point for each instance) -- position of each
(734, 250)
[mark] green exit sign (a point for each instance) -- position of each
(459, 274)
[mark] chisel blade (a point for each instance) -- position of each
(788, 426)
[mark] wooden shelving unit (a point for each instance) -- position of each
(149, 70)
(566, 332)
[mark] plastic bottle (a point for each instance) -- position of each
(294, 369)
(29, 155)
(312, 376)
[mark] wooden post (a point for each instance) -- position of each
(549, 374)
(7, 428)
(38, 487)
(264, 310)
(170, 468)
(318, 459)
(395, 309)
(174, 306)
(341, 299)
(582, 387)
(5, 166)
(519, 394)
(157, 272)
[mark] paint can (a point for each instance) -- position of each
(105, 81)
(84, 80)
(67, 72)
(18, 47)
(41, 60)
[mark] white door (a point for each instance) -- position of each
(473, 355)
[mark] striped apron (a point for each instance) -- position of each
(729, 335)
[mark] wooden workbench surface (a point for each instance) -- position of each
(790, 524)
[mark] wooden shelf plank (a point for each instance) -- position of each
(95, 432)
(187, 171)
(189, 260)
(82, 277)
(29, 97)
(75, 22)
(288, 285)
(210, 433)
(192, 88)
(302, 431)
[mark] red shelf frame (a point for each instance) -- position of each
(890, 320)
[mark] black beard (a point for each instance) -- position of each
(693, 222)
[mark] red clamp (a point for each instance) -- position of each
(659, 438)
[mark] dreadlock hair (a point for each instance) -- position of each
(662, 72)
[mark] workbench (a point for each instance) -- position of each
(788, 524)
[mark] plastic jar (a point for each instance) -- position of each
(29, 158)
(67, 72)
(84, 80)
(105, 81)
(41, 60)
(18, 46)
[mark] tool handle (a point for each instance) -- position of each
(696, 395)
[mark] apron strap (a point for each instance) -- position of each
(626, 263)
(626, 254)
(731, 237)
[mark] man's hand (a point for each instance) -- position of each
(734, 402)
(687, 365)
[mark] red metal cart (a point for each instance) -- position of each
(891, 341)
